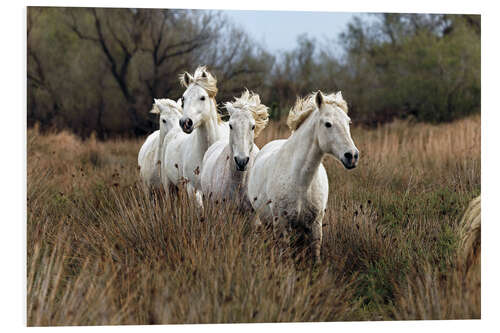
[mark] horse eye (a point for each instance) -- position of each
(164, 121)
(182, 101)
(230, 126)
(253, 127)
(202, 98)
(328, 124)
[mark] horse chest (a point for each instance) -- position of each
(296, 208)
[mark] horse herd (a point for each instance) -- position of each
(284, 183)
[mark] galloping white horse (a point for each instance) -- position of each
(151, 152)
(200, 118)
(288, 185)
(171, 113)
(224, 174)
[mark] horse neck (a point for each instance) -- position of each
(307, 155)
(238, 179)
(162, 146)
(207, 133)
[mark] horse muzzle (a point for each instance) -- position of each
(350, 159)
(241, 163)
(186, 125)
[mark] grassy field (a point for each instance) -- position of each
(102, 250)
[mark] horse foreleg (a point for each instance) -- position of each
(172, 190)
(199, 199)
(317, 238)
(281, 234)
(195, 195)
(256, 222)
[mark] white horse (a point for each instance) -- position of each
(288, 185)
(224, 174)
(171, 113)
(151, 152)
(200, 118)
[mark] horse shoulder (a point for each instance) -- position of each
(260, 175)
(191, 155)
(318, 191)
(148, 145)
(213, 151)
(210, 166)
(173, 160)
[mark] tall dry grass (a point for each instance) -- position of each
(103, 250)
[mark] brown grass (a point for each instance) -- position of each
(102, 250)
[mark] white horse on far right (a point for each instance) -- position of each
(288, 185)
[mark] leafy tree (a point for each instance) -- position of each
(98, 69)
(425, 66)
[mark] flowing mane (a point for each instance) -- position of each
(201, 77)
(250, 101)
(304, 107)
(167, 106)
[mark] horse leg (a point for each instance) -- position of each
(199, 199)
(256, 221)
(317, 238)
(196, 195)
(281, 234)
(172, 191)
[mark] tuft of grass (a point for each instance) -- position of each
(103, 250)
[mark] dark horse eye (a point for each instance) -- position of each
(328, 124)
(230, 126)
(253, 127)
(182, 101)
(202, 98)
(164, 121)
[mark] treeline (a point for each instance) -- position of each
(98, 70)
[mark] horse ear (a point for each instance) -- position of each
(155, 109)
(319, 99)
(339, 95)
(229, 108)
(187, 79)
(204, 74)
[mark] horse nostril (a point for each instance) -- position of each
(348, 156)
(181, 123)
(189, 122)
(241, 162)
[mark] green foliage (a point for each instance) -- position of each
(404, 68)
(98, 70)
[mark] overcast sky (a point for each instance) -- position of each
(278, 30)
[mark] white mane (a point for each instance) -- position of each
(201, 77)
(250, 102)
(305, 106)
(165, 106)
